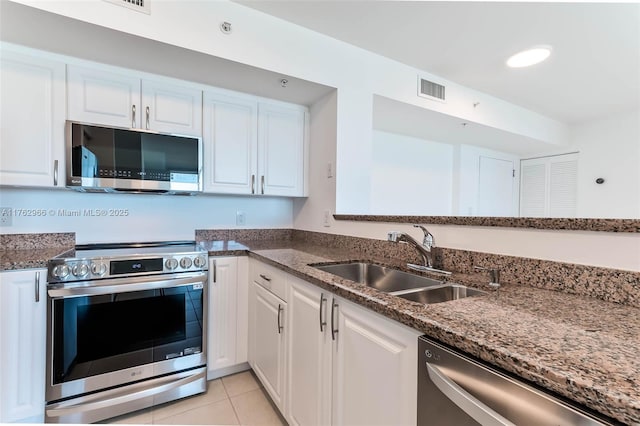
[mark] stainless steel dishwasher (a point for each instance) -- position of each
(454, 389)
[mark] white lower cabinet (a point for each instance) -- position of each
(310, 347)
(23, 299)
(269, 337)
(227, 316)
(345, 364)
(374, 369)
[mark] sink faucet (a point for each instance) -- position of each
(424, 248)
(494, 274)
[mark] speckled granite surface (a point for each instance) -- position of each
(580, 347)
(37, 241)
(26, 251)
(608, 225)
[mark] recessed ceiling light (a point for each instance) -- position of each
(529, 57)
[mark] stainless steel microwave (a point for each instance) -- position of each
(111, 159)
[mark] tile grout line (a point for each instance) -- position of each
(235, 412)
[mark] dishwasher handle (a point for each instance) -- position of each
(464, 400)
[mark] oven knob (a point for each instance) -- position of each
(185, 262)
(200, 261)
(80, 270)
(61, 271)
(171, 264)
(98, 268)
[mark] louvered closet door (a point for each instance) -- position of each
(563, 185)
(548, 186)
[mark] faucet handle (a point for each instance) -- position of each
(427, 241)
(494, 273)
(393, 236)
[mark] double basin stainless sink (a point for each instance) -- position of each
(402, 284)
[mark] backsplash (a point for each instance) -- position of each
(37, 241)
(612, 285)
(242, 234)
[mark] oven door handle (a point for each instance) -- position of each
(124, 285)
(120, 399)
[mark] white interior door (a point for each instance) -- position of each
(495, 187)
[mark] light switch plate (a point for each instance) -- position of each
(326, 221)
(241, 218)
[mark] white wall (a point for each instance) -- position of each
(273, 44)
(609, 149)
(410, 176)
(469, 171)
(270, 43)
(149, 217)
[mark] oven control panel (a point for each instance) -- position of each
(80, 269)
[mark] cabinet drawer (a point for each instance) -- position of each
(269, 277)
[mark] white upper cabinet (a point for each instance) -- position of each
(101, 96)
(171, 108)
(31, 120)
(281, 149)
(231, 143)
(254, 146)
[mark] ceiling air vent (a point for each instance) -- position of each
(431, 90)
(139, 5)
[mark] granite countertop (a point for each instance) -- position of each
(582, 348)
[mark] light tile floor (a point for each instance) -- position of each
(238, 399)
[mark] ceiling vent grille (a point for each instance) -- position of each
(431, 90)
(139, 5)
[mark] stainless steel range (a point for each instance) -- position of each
(126, 329)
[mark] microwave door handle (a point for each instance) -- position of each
(464, 400)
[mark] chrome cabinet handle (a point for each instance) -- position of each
(264, 277)
(262, 183)
(253, 184)
(147, 113)
(215, 271)
(467, 402)
(55, 172)
(322, 323)
(334, 330)
(133, 116)
(37, 287)
(280, 309)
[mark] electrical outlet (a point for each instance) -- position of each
(327, 218)
(6, 216)
(241, 218)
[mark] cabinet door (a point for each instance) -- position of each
(309, 361)
(269, 334)
(103, 97)
(374, 369)
(23, 301)
(32, 121)
(281, 149)
(221, 335)
(230, 144)
(171, 108)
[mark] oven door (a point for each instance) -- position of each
(106, 333)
